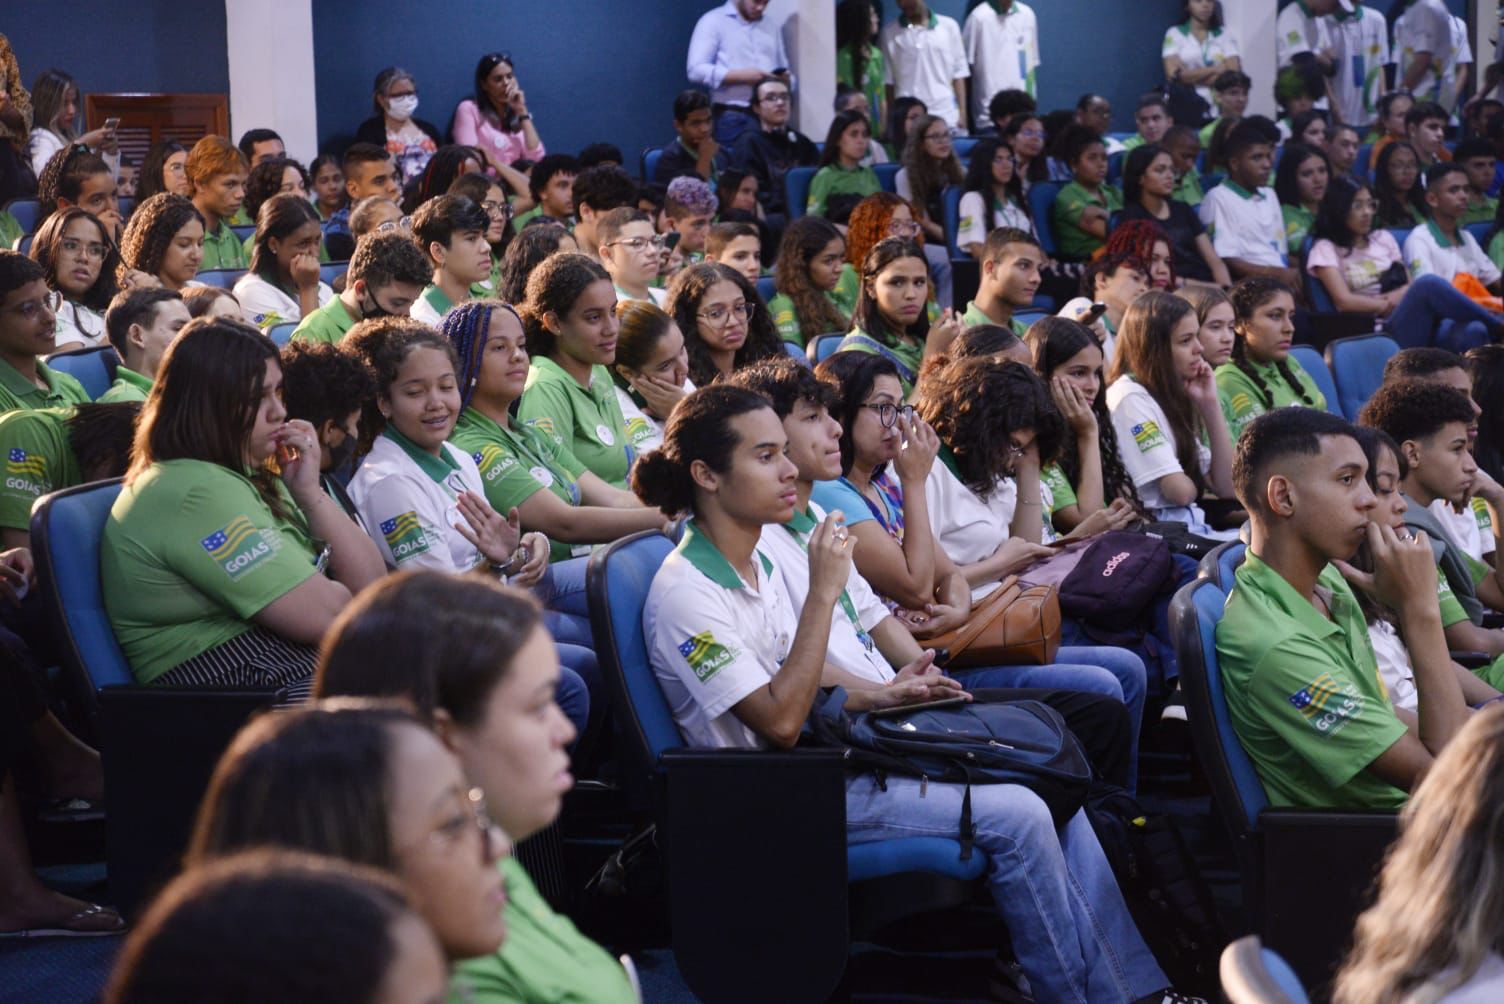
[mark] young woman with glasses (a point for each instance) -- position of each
(725, 323)
(81, 262)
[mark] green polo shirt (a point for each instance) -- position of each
(848, 290)
(1133, 142)
(907, 355)
(975, 315)
(10, 230)
(488, 286)
(128, 386)
(516, 463)
(520, 220)
(1243, 399)
(191, 553)
(1304, 692)
(1188, 189)
(222, 249)
(437, 299)
(326, 324)
(833, 179)
(545, 959)
(786, 318)
(1072, 202)
(38, 459)
(1298, 223)
(1479, 210)
(586, 422)
(17, 392)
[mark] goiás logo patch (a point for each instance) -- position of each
(404, 536)
(239, 547)
(705, 655)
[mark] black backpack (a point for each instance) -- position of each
(1004, 742)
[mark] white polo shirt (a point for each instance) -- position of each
(1003, 50)
(924, 61)
(713, 638)
(1425, 26)
(1462, 55)
(1297, 31)
(1472, 530)
(1429, 252)
(1361, 42)
(1244, 224)
(1181, 43)
(965, 526)
(1145, 443)
(406, 498)
(853, 617)
(264, 304)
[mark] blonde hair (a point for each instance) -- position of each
(1440, 905)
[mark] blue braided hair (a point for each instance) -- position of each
(467, 327)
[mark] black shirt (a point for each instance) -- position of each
(770, 156)
(1183, 227)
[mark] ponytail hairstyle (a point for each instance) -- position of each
(552, 288)
(1246, 297)
(279, 218)
(385, 343)
(1056, 341)
(867, 316)
(805, 238)
(467, 327)
(699, 429)
(642, 325)
(1144, 353)
(63, 177)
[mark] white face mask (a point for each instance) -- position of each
(402, 108)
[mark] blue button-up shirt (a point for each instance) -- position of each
(724, 41)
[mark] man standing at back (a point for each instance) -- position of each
(927, 60)
(732, 48)
(1002, 45)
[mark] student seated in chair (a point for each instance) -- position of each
(388, 272)
(141, 324)
(741, 667)
(452, 231)
(1302, 684)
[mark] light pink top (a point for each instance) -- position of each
(471, 128)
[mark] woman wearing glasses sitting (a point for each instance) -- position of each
(81, 262)
(411, 141)
(726, 325)
(496, 121)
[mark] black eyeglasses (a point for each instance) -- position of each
(888, 413)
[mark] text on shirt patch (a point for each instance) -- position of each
(238, 546)
(404, 536)
(1148, 436)
(1326, 707)
(705, 655)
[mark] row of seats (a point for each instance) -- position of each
(648, 162)
(28, 211)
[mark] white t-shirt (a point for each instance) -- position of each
(1003, 50)
(1462, 55)
(1361, 44)
(713, 639)
(644, 431)
(76, 324)
(1428, 252)
(1471, 529)
(1181, 43)
(657, 297)
(850, 646)
(1145, 443)
(410, 515)
(1425, 26)
(924, 61)
(1295, 32)
(423, 308)
(1394, 664)
(966, 527)
(1246, 225)
(977, 221)
(264, 304)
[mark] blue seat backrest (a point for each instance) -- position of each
(242, 230)
(1198, 610)
(767, 288)
(332, 270)
(224, 278)
(1361, 165)
(1115, 166)
(1480, 232)
(952, 199)
(127, 206)
(67, 529)
(26, 212)
(963, 146)
(23, 245)
(1041, 207)
(94, 367)
(887, 176)
(1211, 180)
(1316, 294)
(1283, 976)
(1028, 317)
(627, 570)
(1357, 366)
(796, 189)
(1310, 360)
(822, 347)
(1219, 564)
(650, 158)
(282, 333)
(1400, 234)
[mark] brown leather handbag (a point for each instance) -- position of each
(1017, 624)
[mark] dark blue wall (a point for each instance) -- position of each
(592, 69)
(144, 45)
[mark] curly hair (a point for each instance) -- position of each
(975, 405)
(1057, 340)
(869, 224)
(553, 288)
(324, 383)
(1415, 409)
(814, 310)
(1144, 352)
(1247, 297)
(685, 294)
(525, 253)
(265, 180)
(384, 343)
(927, 176)
(48, 241)
(64, 174)
(1137, 238)
(152, 227)
(699, 429)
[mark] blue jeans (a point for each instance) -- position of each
(567, 610)
(573, 692)
(1418, 319)
(730, 124)
(1095, 669)
(1070, 928)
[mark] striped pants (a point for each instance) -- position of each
(256, 658)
